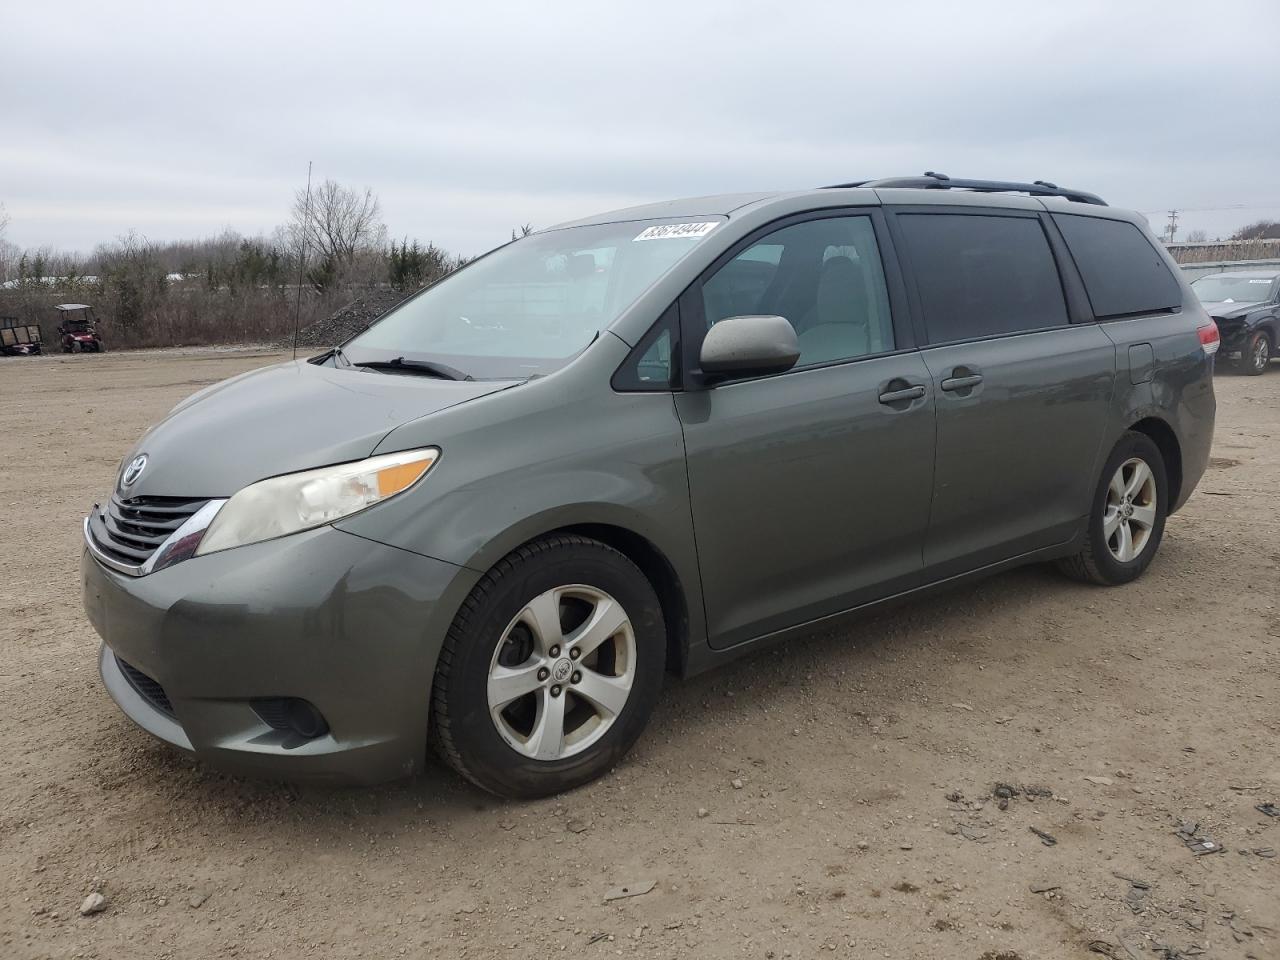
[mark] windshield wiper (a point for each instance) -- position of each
(334, 353)
(426, 368)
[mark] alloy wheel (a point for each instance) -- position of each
(562, 672)
(1129, 514)
(1261, 354)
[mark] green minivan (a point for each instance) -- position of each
(640, 443)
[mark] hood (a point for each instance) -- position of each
(1229, 310)
(283, 418)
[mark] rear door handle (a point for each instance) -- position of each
(962, 383)
(906, 393)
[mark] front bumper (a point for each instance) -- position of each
(352, 626)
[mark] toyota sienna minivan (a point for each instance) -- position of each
(646, 441)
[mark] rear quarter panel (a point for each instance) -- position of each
(1177, 389)
(1177, 386)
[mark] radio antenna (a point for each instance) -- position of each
(302, 261)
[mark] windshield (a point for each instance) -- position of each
(532, 305)
(1234, 289)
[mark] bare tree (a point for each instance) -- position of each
(342, 223)
(9, 252)
(132, 280)
(1262, 230)
(1197, 236)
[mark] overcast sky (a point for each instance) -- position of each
(468, 118)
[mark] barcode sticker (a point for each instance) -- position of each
(676, 231)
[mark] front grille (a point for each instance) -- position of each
(130, 531)
(147, 688)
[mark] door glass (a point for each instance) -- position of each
(983, 276)
(824, 276)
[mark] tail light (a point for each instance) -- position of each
(1209, 339)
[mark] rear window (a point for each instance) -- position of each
(983, 276)
(1122, 272)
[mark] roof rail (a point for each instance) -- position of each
(940, 181)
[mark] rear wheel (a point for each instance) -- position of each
(1255, 357)
(550, 670)
(1126, 522)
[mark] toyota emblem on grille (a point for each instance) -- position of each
(134, 470)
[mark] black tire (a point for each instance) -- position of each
(1096, 563)
(1255, 355)
(465, 734)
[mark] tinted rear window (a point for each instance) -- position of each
(981, 276)
(1122, 272)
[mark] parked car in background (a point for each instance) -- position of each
(649, 440)
(19, 339)
(78, 329)
(1246, 307)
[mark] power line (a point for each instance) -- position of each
(1234, 206)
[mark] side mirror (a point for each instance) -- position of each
(749, 347)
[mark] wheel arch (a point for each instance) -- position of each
(661, 575)
(675, 583)
(1164, 437)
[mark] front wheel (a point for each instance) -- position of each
(550, 670)
(1126, 521)
(1255, 357)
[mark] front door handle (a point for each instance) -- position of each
(906, 393)
(962, 383)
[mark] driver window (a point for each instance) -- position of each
(823, 276)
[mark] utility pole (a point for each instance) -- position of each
(302, 263)
(1171, 230)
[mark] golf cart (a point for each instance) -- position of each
(78, 328)
(19, 339)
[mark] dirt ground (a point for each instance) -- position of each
(833, 797)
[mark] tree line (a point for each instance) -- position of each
(229, 287)
(1258, 230)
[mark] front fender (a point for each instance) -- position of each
(546, 455)
(1267, 322)
(579, 514)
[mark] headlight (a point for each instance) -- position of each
(299, 501)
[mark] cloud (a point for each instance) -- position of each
(179, 120)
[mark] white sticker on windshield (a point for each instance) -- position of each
(677, 231)
(1259, 281)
